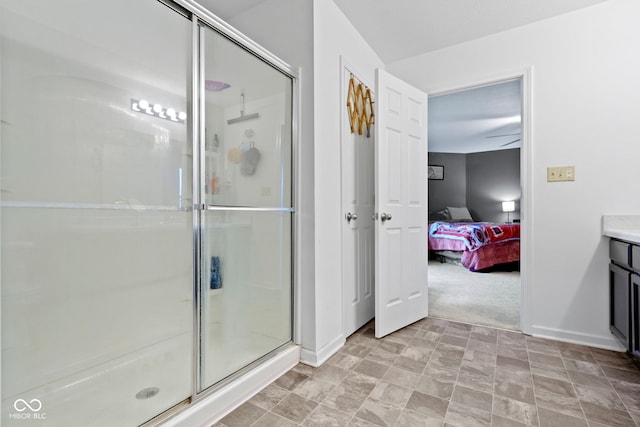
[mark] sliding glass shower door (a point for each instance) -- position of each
(245, 190)
(96, 218)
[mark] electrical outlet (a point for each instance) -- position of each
(561, 173)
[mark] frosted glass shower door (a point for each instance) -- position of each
(246, 278)
(95, 209)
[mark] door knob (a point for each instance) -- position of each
(385, 217)
(349, 217)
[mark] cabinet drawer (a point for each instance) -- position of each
(619, 252)
(635, 315)
(635, 257)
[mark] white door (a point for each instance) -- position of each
(401, 204)
(357, 223)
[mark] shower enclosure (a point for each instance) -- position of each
(145, 209)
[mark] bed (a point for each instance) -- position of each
(478, 245)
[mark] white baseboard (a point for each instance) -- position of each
(607, 342)
(317, 358)
(211, 409)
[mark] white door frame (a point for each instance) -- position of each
(526, 158)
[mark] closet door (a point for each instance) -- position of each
(245, 194)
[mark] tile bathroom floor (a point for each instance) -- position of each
(442, 373)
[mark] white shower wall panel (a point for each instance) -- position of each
(81, 291)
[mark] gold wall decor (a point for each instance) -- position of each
(359, 106)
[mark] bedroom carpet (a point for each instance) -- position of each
(490, 299)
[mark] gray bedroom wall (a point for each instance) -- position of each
(452, 190)
(493, 177)
(480, 181)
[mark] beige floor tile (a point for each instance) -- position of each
(371, 368)
(442, 373)
(294, 408)
(245, 415)
(514, 391)
(314, 388)
(603, 397)
(551, 372)
(345, 399)
(325, 416)
(410, 364)
(331, 373)
(515, 410)
(431, 406)
(269, 397)
(606, 416)
(552, 385)
(410, 418)
(557, 403)
(589, 380)
(487, 347)
(478, 377)
(460, 415)
(556, 419)
(544, 360)
(401, 377)
(498, 421)
(584, 367)
(291, 379)
(273, 420)
(472, 398)
(437, 385)
(391, 393)
(378, 413)
(359, 383)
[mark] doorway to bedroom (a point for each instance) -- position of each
(474, 187)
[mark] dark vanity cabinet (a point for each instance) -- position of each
(624, 289)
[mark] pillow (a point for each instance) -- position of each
(445, 213)
(442, 215)
(459, 214)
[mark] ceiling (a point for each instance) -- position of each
(461, 122)
(486, 118)
(398, 29)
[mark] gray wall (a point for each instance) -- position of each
(452, 191)
(493, 177)
(480, 181)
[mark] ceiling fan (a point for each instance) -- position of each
(505, 134)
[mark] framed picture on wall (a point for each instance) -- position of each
(435, 172)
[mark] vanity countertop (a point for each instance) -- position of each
(625, 227)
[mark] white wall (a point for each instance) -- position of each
(585, 99)
(334, 36)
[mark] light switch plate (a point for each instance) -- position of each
(561, 173)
